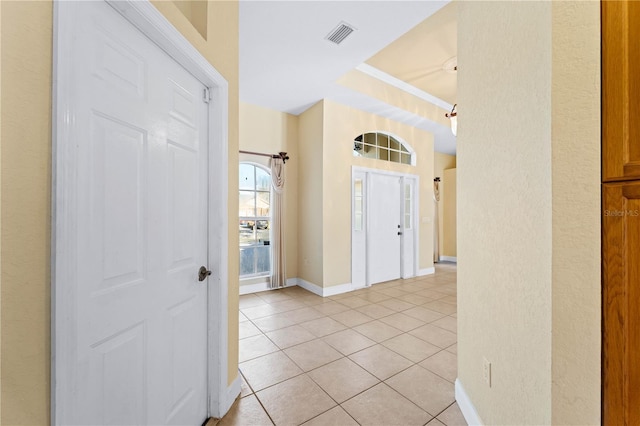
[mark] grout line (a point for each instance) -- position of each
(294, 297)
(433, 372)
(448, 406)
(420, 408)
(253, 392)
(264, 408)
(282, 381)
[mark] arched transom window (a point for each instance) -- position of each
(382, 146)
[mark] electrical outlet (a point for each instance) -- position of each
(486, 371)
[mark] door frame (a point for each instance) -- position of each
(366, 172)
(151, 23)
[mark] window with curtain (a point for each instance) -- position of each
(254, 221)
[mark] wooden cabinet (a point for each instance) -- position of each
(621, 212)
(621, 303)
(620, 90)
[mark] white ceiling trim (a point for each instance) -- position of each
(406, 87)
(443, 139)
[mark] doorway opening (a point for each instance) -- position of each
(384, 229)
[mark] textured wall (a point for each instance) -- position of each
(0, 220)
(449, 216)
(196, 12)
(576, 213)
(528, 193)
(310, 199)
(504, 190)
(26, 201)
(270, 131)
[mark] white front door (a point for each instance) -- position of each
(140, 130)
(385, 228)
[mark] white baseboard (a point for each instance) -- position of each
(427, 271)
(254, 288)
(229, 397)
(291, 282)
(263, 286)
(449, 259)
(337, 289)
(313, 288)
(325, 291)
(466, 406)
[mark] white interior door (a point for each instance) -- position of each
(140, 131)
(385, 228)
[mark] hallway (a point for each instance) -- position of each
(378, 356)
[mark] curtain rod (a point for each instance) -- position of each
(282, 155)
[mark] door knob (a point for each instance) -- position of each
(203, 273)
(399, 233)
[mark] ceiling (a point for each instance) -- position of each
(418, 56)
(286, 63)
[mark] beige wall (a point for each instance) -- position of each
(0, 220)
(441, 163)
(26, 183)
(196, 12)
(270, 131)
(528, 245)
(449, 215)
(504, 244)
(576, 153)
(341, 125)
(26, 192)
(310, 195)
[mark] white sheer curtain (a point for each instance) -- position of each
(436, 222)
(278, 257)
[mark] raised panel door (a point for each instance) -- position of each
(385, 227)
(620, 90)
(621, 303)
(142, 203)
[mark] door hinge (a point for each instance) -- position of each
(206, 97)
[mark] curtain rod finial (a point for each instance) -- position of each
(284, 156)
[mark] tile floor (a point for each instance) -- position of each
(379, 356)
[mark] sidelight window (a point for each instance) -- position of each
(407, 206)
(357, 205)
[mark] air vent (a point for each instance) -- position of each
(340, 32)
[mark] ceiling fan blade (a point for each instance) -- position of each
(450, 66)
